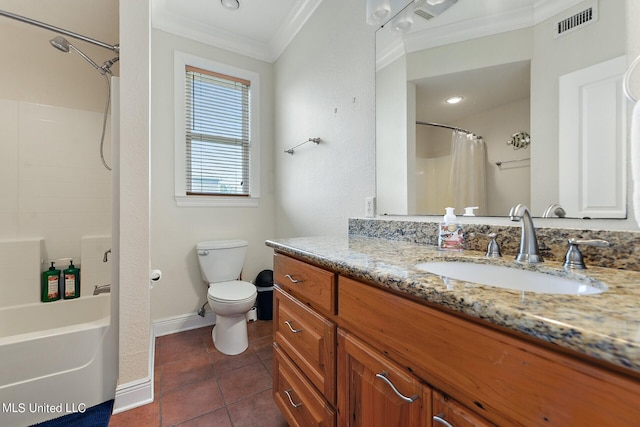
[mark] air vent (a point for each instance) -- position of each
(579, 20)
(423, 14)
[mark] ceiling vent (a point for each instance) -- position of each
(427, 9)
(586, 16)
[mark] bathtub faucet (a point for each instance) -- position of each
(106, 255)
(101, 289)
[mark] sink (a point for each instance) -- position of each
(510, 278)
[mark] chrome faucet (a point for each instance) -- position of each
(105, 258)
(102, 289)
(529, 251)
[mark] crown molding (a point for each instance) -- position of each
(193, 29)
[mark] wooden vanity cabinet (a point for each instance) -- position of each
(304, 374)
(464, 373)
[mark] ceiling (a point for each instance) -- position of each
(259, 28)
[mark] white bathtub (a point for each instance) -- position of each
(55, 358)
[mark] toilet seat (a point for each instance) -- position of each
(232, 291)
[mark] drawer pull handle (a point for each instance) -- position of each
(288, 276)
(295, 331)
(383, 376)
(288, 393)
(439, 419)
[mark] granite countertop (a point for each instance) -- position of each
(605, 326)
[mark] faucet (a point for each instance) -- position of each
(554, 209)
(101, 289)
(529, 251)
(106, 255)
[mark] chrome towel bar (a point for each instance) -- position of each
(315, 140)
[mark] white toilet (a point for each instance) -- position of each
(221, 262)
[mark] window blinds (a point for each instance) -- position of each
(217, 133)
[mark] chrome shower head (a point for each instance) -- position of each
(63, 45)
(60, 43)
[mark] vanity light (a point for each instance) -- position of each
(378, 11)
(454, 99)
(435, 2)
(230, 4)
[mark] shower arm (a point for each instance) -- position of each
(115, 48)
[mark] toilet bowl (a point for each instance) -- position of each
(220, 264)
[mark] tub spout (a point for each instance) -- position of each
(102, 289)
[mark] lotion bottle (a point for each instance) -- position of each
(450, 234)
(50, 284)
(71, 282)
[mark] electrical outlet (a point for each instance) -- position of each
(370, 207)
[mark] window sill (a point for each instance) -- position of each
(217, 201)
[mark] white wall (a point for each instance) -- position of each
(324, 86)
(175, 231)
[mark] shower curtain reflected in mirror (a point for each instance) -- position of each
(468, 181)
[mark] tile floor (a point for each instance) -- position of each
(197, 386)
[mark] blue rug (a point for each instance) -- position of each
(95, 416)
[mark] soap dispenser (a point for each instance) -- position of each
(71, 282)
(450, 234)
(50, 289)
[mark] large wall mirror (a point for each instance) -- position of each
(542, 116)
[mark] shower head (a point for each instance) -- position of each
(63, 45)
(60, 43)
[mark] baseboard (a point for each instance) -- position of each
(185, 322)
(139, 392)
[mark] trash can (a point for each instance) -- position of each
(264, 301)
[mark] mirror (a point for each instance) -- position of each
(504, 59)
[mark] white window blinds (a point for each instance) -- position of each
(217, 134)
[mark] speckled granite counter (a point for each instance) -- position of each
(605, 326)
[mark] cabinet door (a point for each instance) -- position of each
(449, 413)
(375, 392)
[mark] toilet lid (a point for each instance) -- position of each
(234, 290)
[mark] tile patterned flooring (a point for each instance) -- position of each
(197, 386)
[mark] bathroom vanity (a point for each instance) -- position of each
(364, 338)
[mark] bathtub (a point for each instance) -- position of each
(56, 358)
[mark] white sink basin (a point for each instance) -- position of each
(510, 278)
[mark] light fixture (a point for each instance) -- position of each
(402, 23)
(230, 4)
(378, 11)
(453, 99)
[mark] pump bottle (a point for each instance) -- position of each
(50, 289)
(71, 282)
(450, 234)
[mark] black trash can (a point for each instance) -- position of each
(264, 301)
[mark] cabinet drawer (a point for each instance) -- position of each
(448, 412)
(506, 380)
(296, 397)
(310, 284)
(308, 339)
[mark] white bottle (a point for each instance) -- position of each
(450, 234)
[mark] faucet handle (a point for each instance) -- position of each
(574, 258)
(493, 249)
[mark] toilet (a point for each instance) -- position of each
(230, 299)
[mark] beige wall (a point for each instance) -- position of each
(324, 86)
(175, 231)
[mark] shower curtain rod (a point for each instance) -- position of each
(115, 48)
(444, 126)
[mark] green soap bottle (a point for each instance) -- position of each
(71, 282)
(50, 285)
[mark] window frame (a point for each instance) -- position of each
(181, 61)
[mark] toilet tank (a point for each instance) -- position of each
(221, 260)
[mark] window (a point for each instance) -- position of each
(216, 134)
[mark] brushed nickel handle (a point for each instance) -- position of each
(439, 419)
(383, 376)
(295, 331)
(288, 393)
(288, 276)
